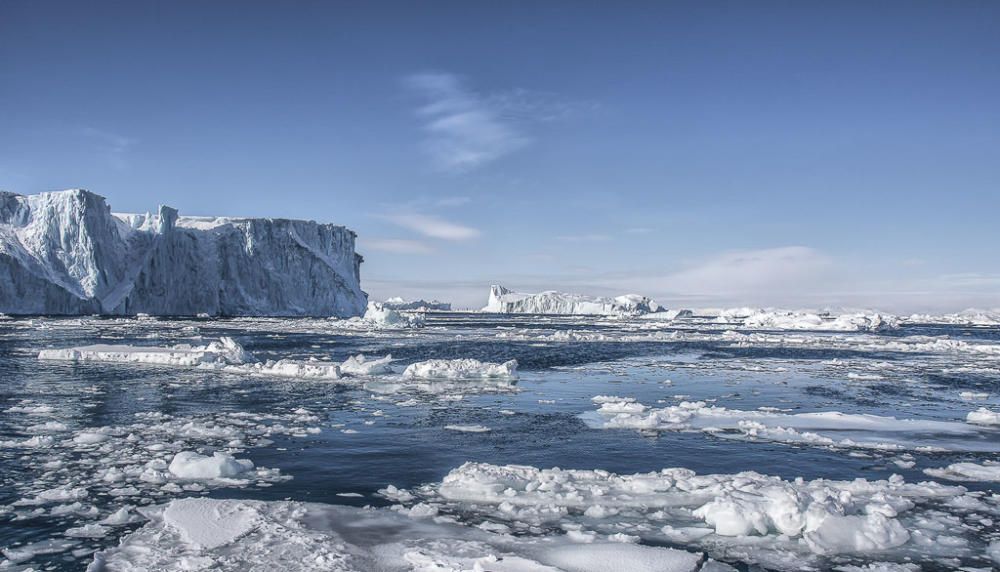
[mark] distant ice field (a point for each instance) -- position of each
(731, 445)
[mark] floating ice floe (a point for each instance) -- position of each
(983, 416)
(824, 428)
(381, 315)
(362, 365)
(196, 533)
(460, 369)
(226, 351)
(754, 518)
(191, 465)
(986, 472)
(226, 355)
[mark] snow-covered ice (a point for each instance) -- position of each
(505, 301)
(198, 533)
(823, 428)
(460, 369)
(66, 253)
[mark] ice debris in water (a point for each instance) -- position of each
(191, 465)
(380, 315)
(198, 533)
(156, 457)
(824, 428)
(986, 472)
(460, 369)
(219, 353)
(983, 416)
(362, 365)
(778, 523)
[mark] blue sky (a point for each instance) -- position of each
(707, 153)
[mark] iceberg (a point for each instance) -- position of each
(67, 253)
(504, 301)
(397, 303)
(764, 320)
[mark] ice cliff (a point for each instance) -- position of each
(67, 253)
(505, 301)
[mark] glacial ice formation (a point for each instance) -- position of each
(67, 253)
(504, 301)
(397, 303)
(772, 320)
(460, 369)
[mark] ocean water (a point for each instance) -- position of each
(358, 436)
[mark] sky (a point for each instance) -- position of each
(792, 154)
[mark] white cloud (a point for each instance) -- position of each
(396, 245)
(433, 226)
(464, 130)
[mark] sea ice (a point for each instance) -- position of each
(361, 365)
(983, 416)
(824, 428)
(986, 472)
(783, 524)
(196, 533)
(460, 369)
(191, 465)
(223, 352)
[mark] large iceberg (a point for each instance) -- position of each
(504, 301)
(67, 253)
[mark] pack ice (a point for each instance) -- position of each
(504, 301)
(67, 253)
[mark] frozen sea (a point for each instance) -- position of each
(81, 441)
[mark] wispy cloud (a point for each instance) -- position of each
(464, 130)
(432, 226)
(396, 245)
(112, 146)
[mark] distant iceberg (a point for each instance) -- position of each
(504, 301)
(67, 253)
(398, 303)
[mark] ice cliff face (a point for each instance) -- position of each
(505, 301)
(66, 253)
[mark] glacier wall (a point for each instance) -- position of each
(67, 253)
